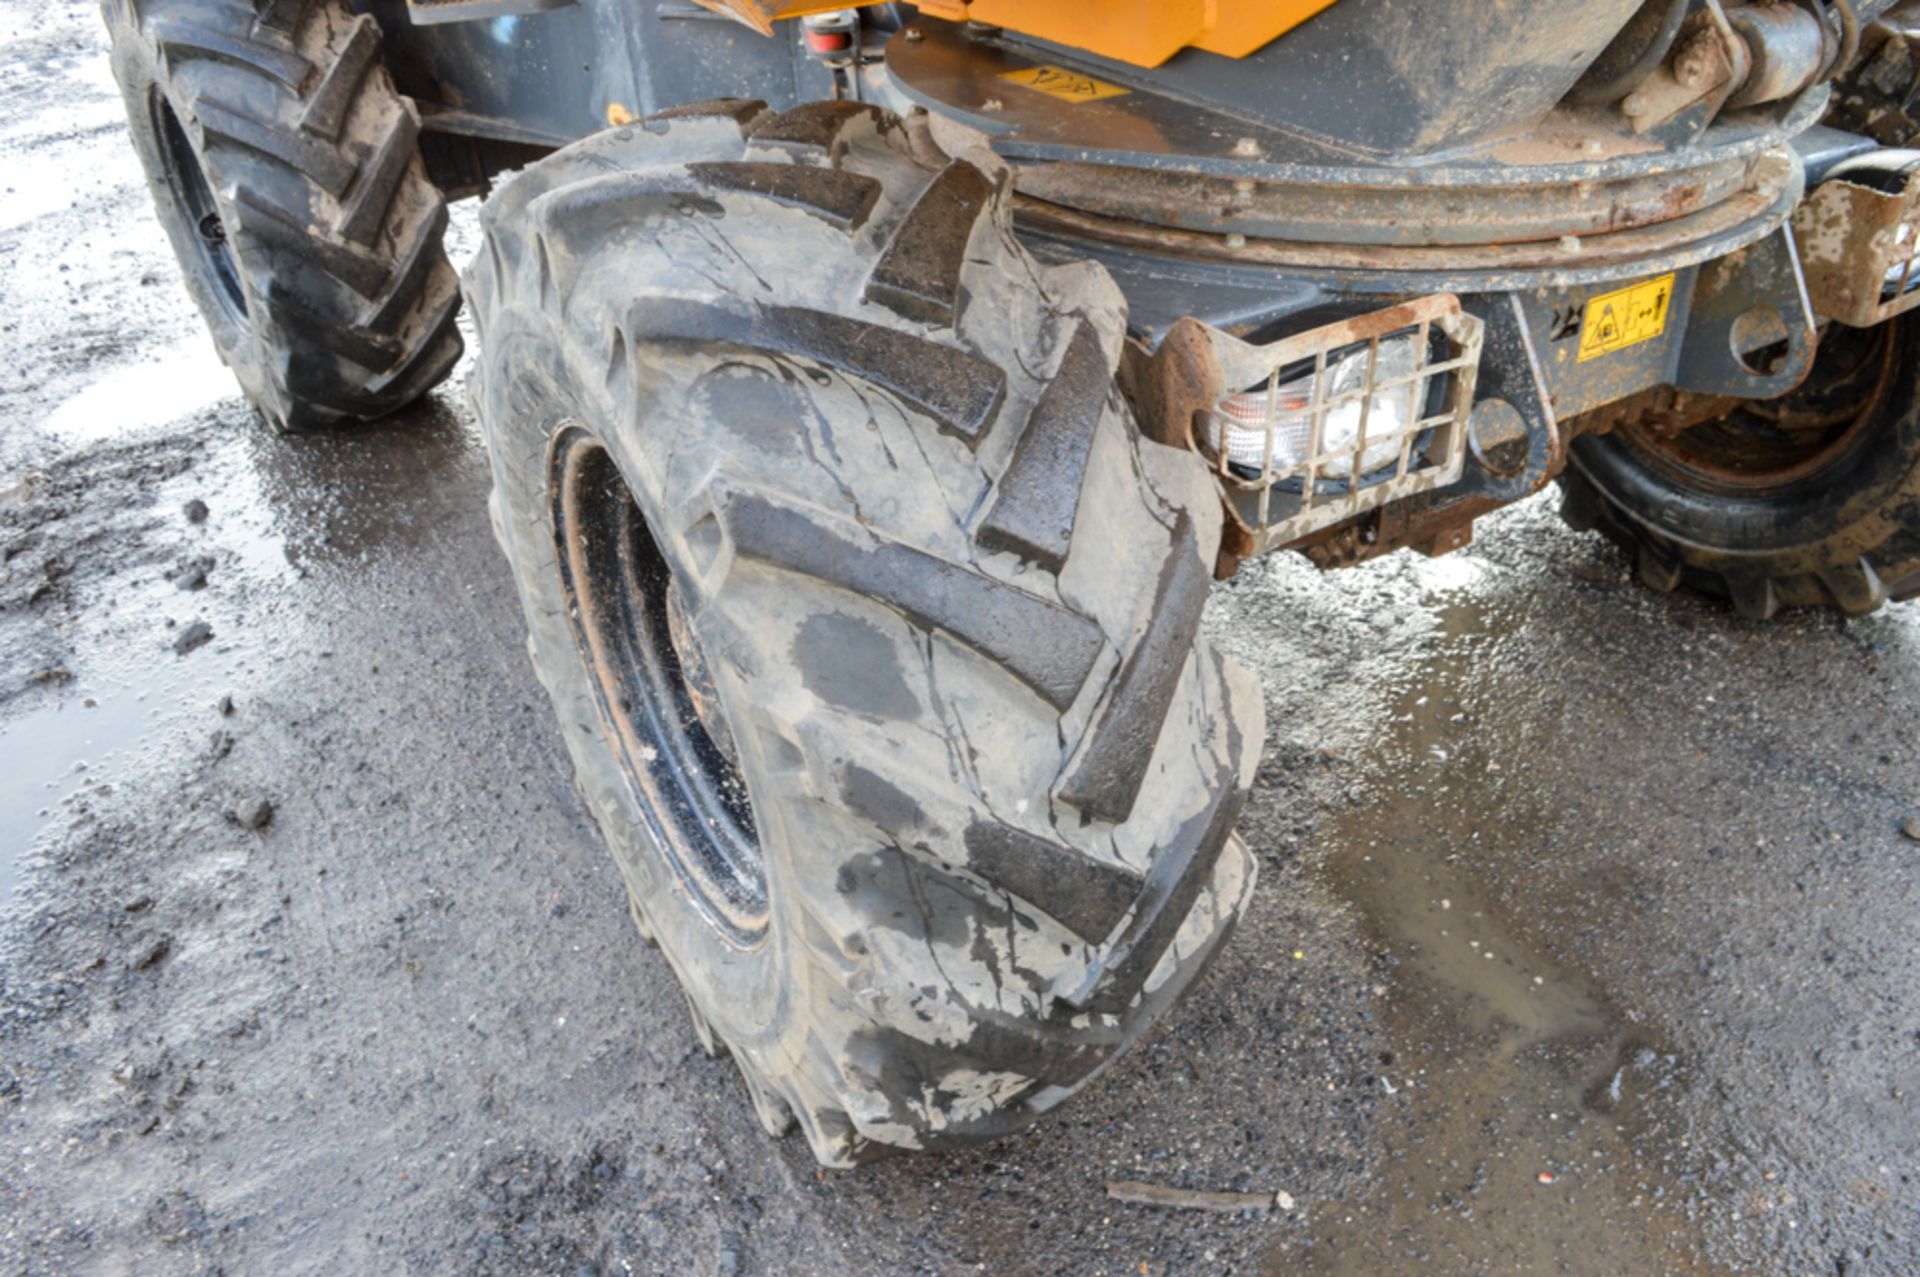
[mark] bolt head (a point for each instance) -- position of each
(1693, 66)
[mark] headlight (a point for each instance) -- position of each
(1279, 416)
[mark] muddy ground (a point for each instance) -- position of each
(1585, 940)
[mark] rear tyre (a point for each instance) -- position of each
(1811, 500)
(286, 171)
(869, 618)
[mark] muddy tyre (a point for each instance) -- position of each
(287, 173)
(1812, 500)
(869, 618)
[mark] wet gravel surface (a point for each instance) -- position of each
(1585, 941)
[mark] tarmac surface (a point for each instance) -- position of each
(1585, 940)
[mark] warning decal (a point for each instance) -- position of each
(1625, 317)
(1068, 86)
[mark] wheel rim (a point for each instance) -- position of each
(1763, 446)
(193, 197)
(654, 686)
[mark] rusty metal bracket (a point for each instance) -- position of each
(1709, 63)
(1857, 247)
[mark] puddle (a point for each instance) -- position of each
(48, 754)
(117, 717)
(134, 399)
(133, 704)
(1524, 1131)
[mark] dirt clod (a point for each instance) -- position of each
(253, 813)
(195, 635)
(192, 574)
(152, 953)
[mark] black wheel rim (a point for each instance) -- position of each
(193, 197)
(654, 687)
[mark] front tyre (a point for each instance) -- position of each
(869, 618)
(1811, 500)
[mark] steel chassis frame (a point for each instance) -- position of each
(1230, 193)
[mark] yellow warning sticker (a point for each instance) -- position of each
(1625, 317)
(1068, 86)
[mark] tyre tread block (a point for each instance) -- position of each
(1037, 498)
(328, 105)
(180, 40)
(1114, 763)
(1088, 897)
(841, 199)
(1046, 647)
(742, 111)
(961, 392)
(918, 274)
(324, 164)
(1173, 885)
(281, 17)
(386, 310)
(898, 1064)
(1855, 587)
(608, 203)
(1579, 506)
(364, 214)
(814, 126)
(364, 347)
(1754, 597)
(428, 362)
(1657, 568)
(357, 268)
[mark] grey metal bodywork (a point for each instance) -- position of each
(1378, 152)
(550, 77)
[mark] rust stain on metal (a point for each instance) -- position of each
(1621, 247)
(1857, 250)
(1518, 212)
(1197, 365)
(1659, 409)
(1180, 379)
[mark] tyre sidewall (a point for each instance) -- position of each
(742, 992)
(241, 345)
(1843, 510)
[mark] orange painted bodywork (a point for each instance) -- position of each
(762, 14)
(1143, 32)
